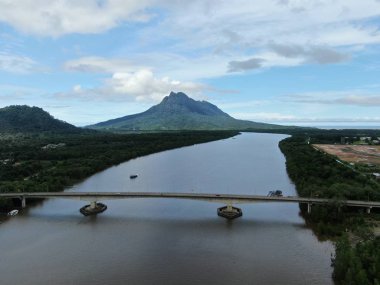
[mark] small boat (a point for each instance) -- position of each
(13, 213)
(133, 176)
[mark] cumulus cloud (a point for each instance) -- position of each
(56, 18)
(141, 85)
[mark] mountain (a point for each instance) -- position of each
(179, 112)
(31, 119)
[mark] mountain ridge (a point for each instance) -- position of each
(180, 112)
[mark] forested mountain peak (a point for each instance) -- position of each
(23, 118)
(177, 111)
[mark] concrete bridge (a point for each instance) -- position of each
(229, 199)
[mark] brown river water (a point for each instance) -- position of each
(158, 241)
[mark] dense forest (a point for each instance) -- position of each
(40, 162)
(359, 264)
(318, 174)
(16, 119)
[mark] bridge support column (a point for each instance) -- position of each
(309, 208)
(93, 205)
(23, 202)
(93, 208)
(369, 210)
(229, 212)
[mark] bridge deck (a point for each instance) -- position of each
(221, 198)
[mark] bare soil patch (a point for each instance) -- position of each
(365, 154)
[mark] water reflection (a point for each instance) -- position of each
(152, 241)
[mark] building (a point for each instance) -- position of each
(376, 175)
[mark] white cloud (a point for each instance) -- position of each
(263, 116)
(144, 86)
(17, 63)
(141, 85)
(257, 24)
(360, 98)
(203, 39)
(100, 64)
(56, 18)
(242, 65)
(163, 64)
(370, 101)
(272, 117)
(313, 54)
(242, 34)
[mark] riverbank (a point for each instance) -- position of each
(317, 174)
(53, 162)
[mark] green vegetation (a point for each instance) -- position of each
(318, 174)
(16, 119)
(26, 164)
(179, 112)
(359, 264)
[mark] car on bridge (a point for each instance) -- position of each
(277, 193)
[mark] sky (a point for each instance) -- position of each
(296, 62)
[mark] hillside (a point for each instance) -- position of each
(27, 119)
(179, 112)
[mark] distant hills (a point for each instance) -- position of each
(179, 112)
(175, 112)
(25, 119)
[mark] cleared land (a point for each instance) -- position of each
(364, 154)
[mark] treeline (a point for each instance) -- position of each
(358, 264)
(320, 135)
(26, 166)
(318, 174)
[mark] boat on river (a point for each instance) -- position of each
(133, 176)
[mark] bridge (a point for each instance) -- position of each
(227, 211)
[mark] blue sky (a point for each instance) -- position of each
(280, 61)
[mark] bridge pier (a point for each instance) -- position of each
(23, 202)
(309, 208)
(93, 208)
(229, 212)
(369, 210)
(93, 205)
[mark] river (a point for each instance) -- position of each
(152, 241)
